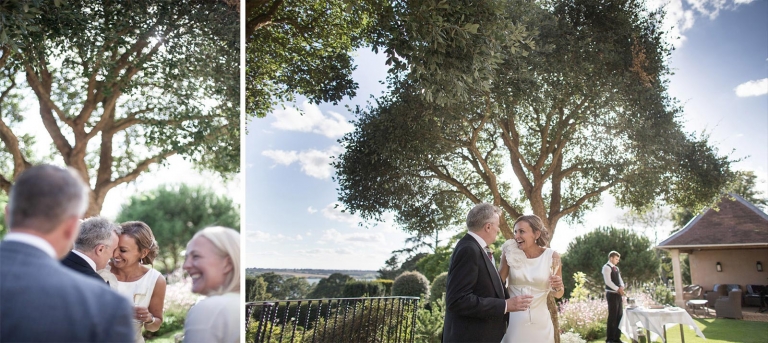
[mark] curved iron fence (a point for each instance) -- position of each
(374, 320)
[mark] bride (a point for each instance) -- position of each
(529, 269)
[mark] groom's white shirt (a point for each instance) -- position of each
(482, 243)
(32, 240)
(86, 258)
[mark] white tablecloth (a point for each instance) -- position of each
(654, 321)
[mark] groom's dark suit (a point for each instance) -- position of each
(78, 264)
(474, 296)
(43, 301)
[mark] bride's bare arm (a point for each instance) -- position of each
(503, 268)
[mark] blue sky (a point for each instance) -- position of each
(721, 77)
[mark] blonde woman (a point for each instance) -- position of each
(213, 262)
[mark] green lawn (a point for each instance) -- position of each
(167, 338)
(716, 330)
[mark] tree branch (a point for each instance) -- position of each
(12, 145)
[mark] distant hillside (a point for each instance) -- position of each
(314, 273)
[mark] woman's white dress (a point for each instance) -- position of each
(138, 292)
(532, 275)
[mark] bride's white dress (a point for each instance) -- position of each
(533, 275)
(139, 292)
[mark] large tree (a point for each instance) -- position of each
(176, 213)
(122, 86)
(305, 47)
(586, 111)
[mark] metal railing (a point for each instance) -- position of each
(380, 319)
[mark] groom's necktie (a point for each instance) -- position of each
(490, 255)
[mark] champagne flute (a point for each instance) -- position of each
(553, 269)
(526, 290)
(137, 298)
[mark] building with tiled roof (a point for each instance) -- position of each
(724, 246)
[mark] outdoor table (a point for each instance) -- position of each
(697, 304)
(654, 320)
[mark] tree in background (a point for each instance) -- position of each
(272, 286)
(743, 183)
(588, 254)
(581, 111)
(331, 287)
(175, 213)
(121, 86)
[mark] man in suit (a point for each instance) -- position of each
(614, 290)
(94, 246)
(43, 301)
(476, 301)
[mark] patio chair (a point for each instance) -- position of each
(729, 307)
(691, 292)
(752, 297)
(720, 291)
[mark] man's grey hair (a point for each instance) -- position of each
(95, 231)
(44, 196)
(481, 214)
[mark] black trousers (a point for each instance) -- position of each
(615, 311)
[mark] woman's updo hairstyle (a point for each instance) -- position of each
(144, 238)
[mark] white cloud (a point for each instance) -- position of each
(752, 88)
(311, 210)
(335, 236)
(261, 236)
(314, 163)
(334, 212)
(320, 251)
(312, 120)
(681, 15)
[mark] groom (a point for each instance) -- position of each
(475, 298)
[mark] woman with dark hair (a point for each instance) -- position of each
(529, 267)
(130, 273)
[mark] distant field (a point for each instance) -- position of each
(313, 273)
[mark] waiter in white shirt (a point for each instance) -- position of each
(614, 290)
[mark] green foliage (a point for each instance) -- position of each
(745, 185)
(257, 289)
(330, 287)
(175, 213)
(660, 293)
(387, 285)
(412, 284)
(585, 112)
(357, 289)
(429, 322)
(588, 254)
(369, 322)
(580, 292)
(301, 47)
(272, 286)
(3, 203)
(437, 289)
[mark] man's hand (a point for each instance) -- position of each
(519, 303)
(621, 291)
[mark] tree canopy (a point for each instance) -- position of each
(304, 47)
(176, 213)
(121, 86)
(581, 111)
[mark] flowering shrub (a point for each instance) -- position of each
(571, 337)
(587, 318)
(178, 300)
